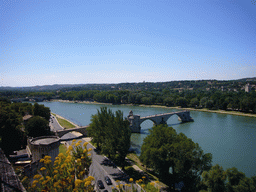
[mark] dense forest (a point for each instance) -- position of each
(236, 95)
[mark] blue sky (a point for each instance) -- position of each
(112, 41)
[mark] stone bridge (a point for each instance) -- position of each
(81, 130)
(136, 120)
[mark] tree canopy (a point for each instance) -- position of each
(231, 180)
(12, 132)
(37, 126)
(111, 133)
(163, 149)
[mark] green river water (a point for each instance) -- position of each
(230, 138)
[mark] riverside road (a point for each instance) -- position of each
(98, 168)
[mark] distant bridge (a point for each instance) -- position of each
(136, 120)
(81, 130)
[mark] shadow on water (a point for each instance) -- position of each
(145, 131)
(135, 148)
(173, 124)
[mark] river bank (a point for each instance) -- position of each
(159, 106)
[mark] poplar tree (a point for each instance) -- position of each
(111, 134)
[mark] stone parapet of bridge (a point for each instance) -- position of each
(81, 130)
(136, 120)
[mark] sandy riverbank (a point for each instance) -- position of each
(179, 108)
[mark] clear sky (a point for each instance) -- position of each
(45, 42)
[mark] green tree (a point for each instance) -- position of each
(234, 177)
(37, 126)
(10, 130)
(111, 133)
(163, 149)
(42, 111)
(215, 179)
(181, 101)
(194, 102)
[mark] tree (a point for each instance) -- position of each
(163, 149)
(194, 102)
(41, 110)
(181, 101)
(10, 129)
(111, 134)
(214, 179)
(37, 126)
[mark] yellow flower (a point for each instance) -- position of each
(47, 161)
(85, 144)
(89, 149)
(55, 184)
(143, 177)
(74, 140)
(70, 148)
(41, 160)
(157, 181)
(41, 179)
(131, 179)
(42, 169)
(37, 176)
(87, 183)
(143, 186)
(47, 157)
(77, 144)
(78, 160)
(48, 178)
(61, 155)
(78, 182)
(90, 178)
(35, 182)
(85, 150)
(79, 141)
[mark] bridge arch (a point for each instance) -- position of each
(136, 120)
(147, 123)
(152, 120)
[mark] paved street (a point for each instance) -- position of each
(100, 166)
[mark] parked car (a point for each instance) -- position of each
(108, 181)
(100, 184)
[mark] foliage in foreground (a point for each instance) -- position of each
(231, 180)
(67, 173)
(163, 149)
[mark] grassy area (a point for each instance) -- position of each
(136, 175)
(54, 114)
(62, 149)
(64, 123)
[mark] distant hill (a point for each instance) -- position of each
(134, 85)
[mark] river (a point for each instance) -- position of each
(229, 138)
